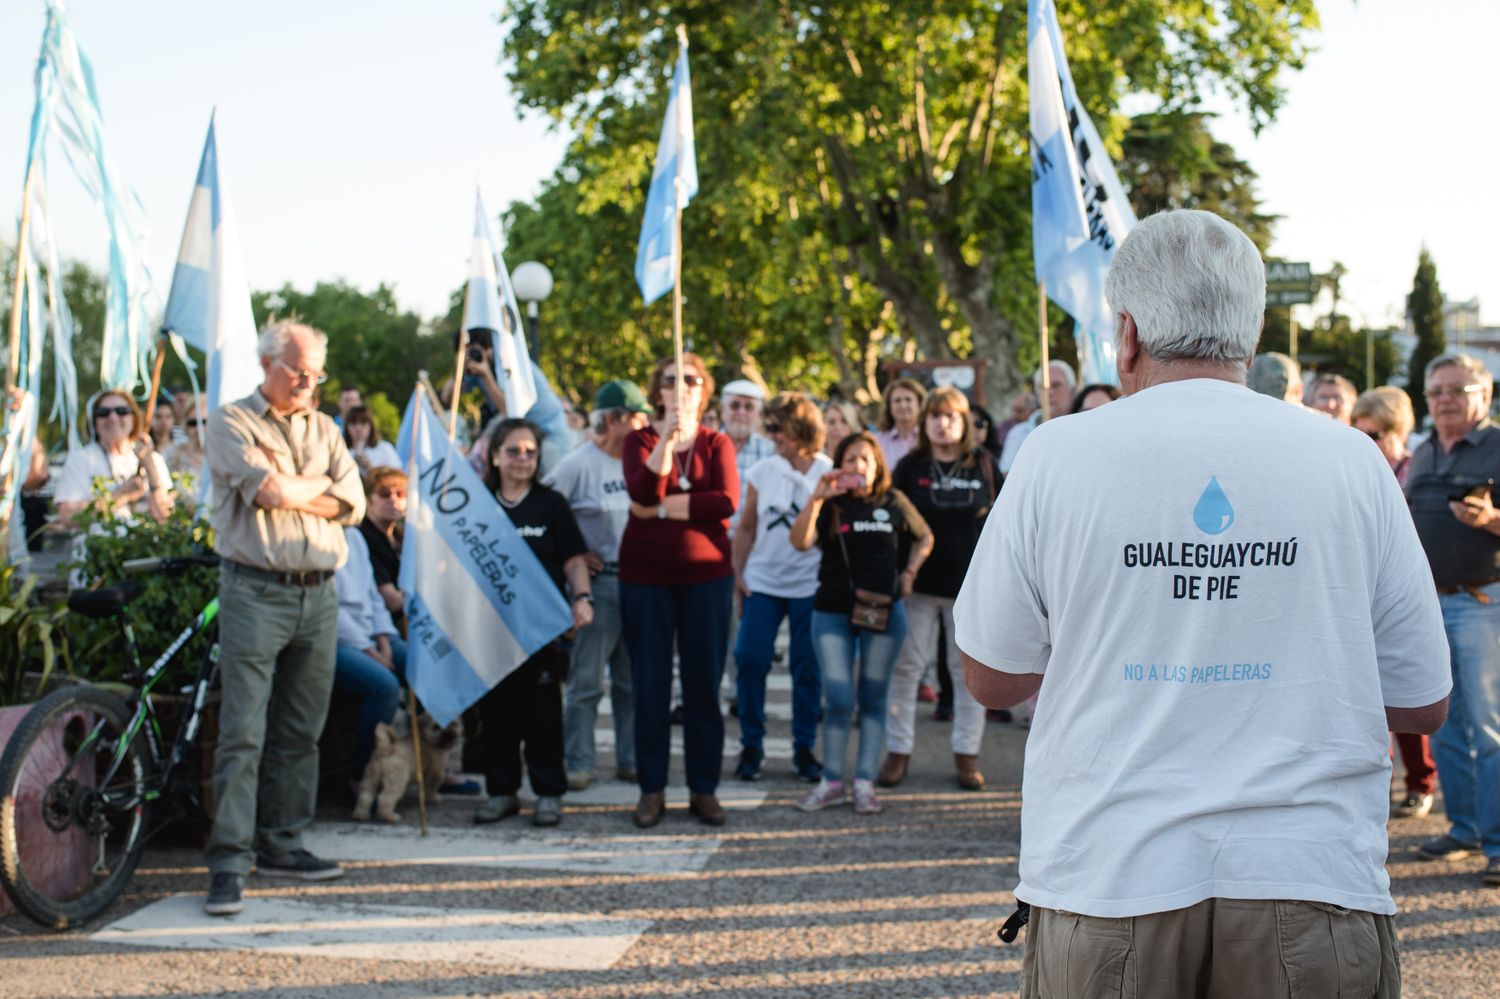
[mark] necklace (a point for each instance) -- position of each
(683, 482)
(945, 483)
(512, 504)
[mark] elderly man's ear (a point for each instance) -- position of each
(1127, 342)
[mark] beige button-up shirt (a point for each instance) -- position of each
(245, 438)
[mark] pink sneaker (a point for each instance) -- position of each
(865, 802)
(825, 794)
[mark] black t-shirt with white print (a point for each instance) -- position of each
(877, 537)
(954, 499)
(545, 521)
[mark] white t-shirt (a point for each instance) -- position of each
(774, 567)
(593, 483)
(377, 455)
(1222, 592)
(75, 484)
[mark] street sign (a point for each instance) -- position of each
(1289, 282)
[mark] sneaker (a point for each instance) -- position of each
(497, 807)
(751, 758)
(1416, 806)
(1446, 847)
(806, 764)
(926, 694)
(297, 864)
(826, 793)
(226, 892)
(578, 780)
(548, 811)
(865, 802)
(1492, 871)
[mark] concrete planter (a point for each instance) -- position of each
(67, 859)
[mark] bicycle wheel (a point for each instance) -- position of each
(72, 820)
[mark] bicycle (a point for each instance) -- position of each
(83, 773)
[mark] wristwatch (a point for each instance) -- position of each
(661, 511)
(583, 596)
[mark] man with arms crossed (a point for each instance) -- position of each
(285, 487)
(1207, 775)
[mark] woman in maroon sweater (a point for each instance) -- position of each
(676, 584)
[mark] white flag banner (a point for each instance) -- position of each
(490, 304)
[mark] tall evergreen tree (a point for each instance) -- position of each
(1424, 308)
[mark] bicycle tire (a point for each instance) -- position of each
(56, 868)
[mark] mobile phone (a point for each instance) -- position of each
(1473, 492)
(850, 481)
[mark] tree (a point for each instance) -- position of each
(865, 169)
(1424, 311)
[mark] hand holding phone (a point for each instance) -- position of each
(850, 481)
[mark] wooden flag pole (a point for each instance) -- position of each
(161, 356)
(458, 378)
(13, 358)
(1041, 311)
(677, 189)
(411, 695)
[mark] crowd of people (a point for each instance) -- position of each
(686, 528)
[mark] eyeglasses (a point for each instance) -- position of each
(193, 423)
(391, 494)
(688, 381)
(771, 427)
(104, 411)
(519, 452)
(738, 404)
(304, 374)
(1453, 392)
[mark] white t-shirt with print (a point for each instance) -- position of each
(774, 567)
(75, 483)
(593, 483)
(1222, 592)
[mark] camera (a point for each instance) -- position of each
(475, 354)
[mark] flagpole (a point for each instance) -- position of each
(161, 356)
(411, 694)
(677, 186)
(1041, 311)
(12, 368)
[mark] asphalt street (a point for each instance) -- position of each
(775, 903)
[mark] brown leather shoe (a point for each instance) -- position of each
(969, 777)
(649, 810)
(707, 808)
(893, 770)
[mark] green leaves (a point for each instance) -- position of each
(32, 639)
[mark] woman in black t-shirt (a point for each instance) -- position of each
(952, 482)
(526, 707)
(873, 543)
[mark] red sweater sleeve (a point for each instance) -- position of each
(644, 486)
(718, 501)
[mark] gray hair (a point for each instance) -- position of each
(275, 337)
(1194, 284)
(1468, 362)
(1062, 366)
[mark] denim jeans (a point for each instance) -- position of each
(378, 690)
(752, 653)
(1467, 747)
(693, 618)
(838, 643)
(601, 643)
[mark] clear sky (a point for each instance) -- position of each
(351, 136)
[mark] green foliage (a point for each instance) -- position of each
(865, 172)
(170, 600)
(32, 637)
(1424, 310)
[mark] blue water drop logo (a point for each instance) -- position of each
(1213, 514)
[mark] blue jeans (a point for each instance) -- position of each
(752, 655)
(378, 689)
(601, 643)
(838, 643)
(1467, 747)
(693, 617)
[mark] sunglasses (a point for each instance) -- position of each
(194, 423)
(738, 404)
(771, 427)
(519, 452)
(1374, 435)
(104, 411)
(688, 381)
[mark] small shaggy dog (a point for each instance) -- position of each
(390, 769)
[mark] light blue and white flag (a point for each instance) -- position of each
(209, 304)
(1079, 211)
(490, 304)
(478, 602)
(656, 254)
(67, 105)
(15, 456)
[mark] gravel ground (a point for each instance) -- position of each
(905, 903)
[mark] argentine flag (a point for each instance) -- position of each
(1079, 212)
(209, 305)
(490, 304)
(478, 602)
(656, 254)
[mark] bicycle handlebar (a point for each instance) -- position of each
(167, 563)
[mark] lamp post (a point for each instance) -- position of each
(533, 283)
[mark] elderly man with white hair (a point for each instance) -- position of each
(1061, 384)
(1220, 636)
(284, 489)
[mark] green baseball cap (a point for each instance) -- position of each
(621, 395)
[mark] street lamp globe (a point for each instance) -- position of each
(533, 283)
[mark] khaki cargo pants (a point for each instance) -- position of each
(1218, 949)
